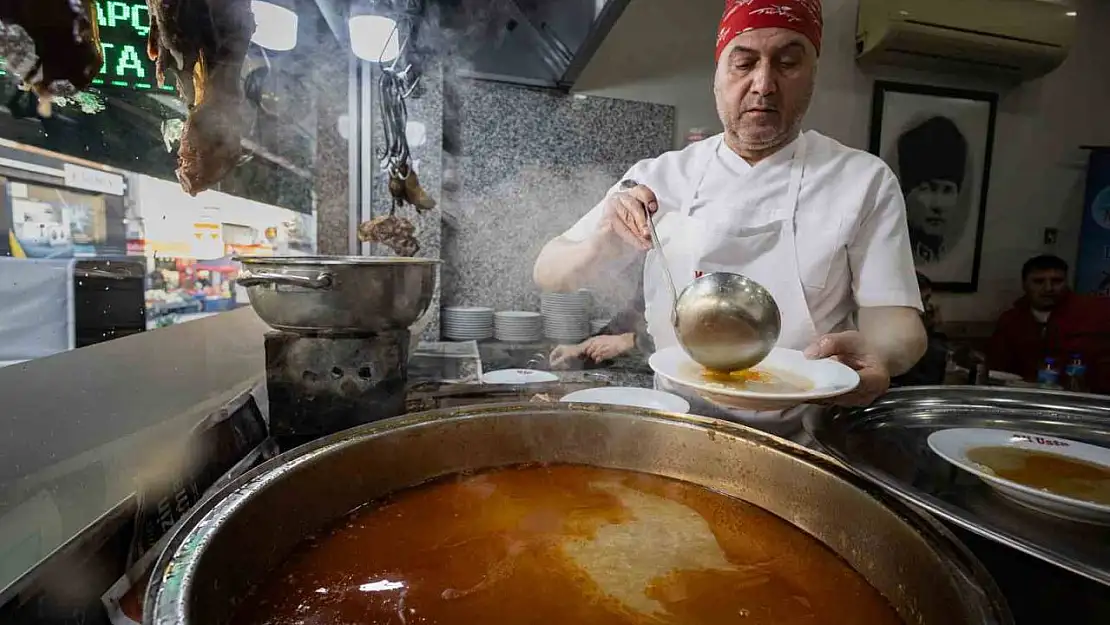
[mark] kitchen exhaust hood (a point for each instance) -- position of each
(541, 43)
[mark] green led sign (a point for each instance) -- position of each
(124, 26)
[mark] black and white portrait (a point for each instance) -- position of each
(938, 142)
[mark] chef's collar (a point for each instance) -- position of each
(735, 163)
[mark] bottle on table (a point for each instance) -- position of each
(977, 373)
(1077, 375)
(1049, 374)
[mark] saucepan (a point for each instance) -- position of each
(328, 295)
(231, 541)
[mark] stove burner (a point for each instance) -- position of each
(321, 385)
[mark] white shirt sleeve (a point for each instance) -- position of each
(880, 256)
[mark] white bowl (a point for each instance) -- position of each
(629, 396)
(954, 444)
(519, 376)
(828, 377)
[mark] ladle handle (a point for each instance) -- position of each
(631, 184)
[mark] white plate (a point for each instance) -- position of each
(953, 445)
(629, 396)
(519, 376)
(829, 377)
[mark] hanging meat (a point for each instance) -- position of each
(396, 233)
(203, 44)
(52, 46)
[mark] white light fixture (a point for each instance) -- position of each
(275, 26)
(1072, 13)
(374, 37)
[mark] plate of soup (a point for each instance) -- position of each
(784, 375)
(1058, 476)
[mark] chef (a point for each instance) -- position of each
(821, 225)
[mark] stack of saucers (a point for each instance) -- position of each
(518, 326)
(566, 316)
(467, 323)
(597, 325)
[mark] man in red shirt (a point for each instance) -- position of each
(1050, 321)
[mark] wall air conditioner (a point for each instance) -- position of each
(1015, 40)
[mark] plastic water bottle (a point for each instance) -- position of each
(1077, 375)
(1049, 375)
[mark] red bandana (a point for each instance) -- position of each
(802, 16)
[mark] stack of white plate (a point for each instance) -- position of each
(597, 325)
(566, 316)
(467, 323)
(518, 326)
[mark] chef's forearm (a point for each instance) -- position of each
(896, 335)
(565, 265)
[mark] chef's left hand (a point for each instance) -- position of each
(851, 349)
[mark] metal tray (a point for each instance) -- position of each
(886, 443)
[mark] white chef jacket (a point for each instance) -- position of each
(844, 222)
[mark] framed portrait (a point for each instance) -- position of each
(938, 141)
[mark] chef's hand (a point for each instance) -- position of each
(563, 355)
(851, 349)
(625, 218)
(607, 347)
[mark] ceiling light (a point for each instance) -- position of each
(276, 26)
(374, 37)
(1072, 13)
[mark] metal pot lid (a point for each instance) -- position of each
(335, 260)
(886, 443)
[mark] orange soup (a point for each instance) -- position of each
(759, 379)
(1046, 471)
(565, 545)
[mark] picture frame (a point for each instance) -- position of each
(939, 142)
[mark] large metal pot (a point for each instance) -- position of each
(252, 525)
(339, 294)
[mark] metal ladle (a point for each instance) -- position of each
(724, 321)
(727, 322)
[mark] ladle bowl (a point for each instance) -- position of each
(727, 322)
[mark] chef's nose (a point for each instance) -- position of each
(763, 79)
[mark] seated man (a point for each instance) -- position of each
(1050, 321)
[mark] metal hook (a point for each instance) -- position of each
(415, 82)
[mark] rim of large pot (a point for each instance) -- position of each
(160, 608)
